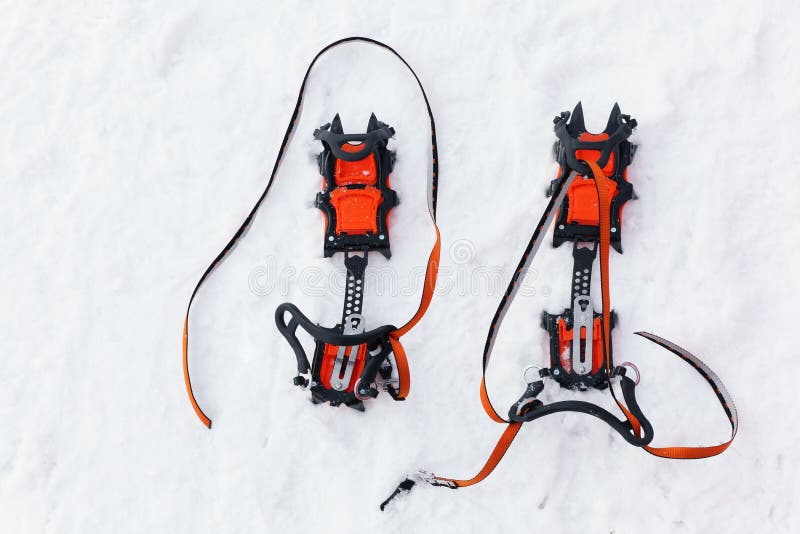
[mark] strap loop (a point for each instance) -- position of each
(724, 398)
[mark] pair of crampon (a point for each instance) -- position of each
(352, 364)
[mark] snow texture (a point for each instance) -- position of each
(135, 137)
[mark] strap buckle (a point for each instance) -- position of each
(433, 480)
(582, 321)
(346, 356)
(539, 370)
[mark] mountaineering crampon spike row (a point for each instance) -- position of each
(350, 363)
(586, 202)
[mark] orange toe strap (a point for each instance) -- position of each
(505, 441)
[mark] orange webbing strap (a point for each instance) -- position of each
(720, 391)
(428, 287)
(512, 428)
(432, 196)
(403, 374)
(494, 458)
(427, 295)
(713, 380)
(432, 269)
(486, 402)
(565, 179)
(505, 441)
(604, 203)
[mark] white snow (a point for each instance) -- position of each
(135, 137)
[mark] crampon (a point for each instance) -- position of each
(587, 198)
(351, 364)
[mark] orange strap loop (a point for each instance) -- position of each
(512, 428)
(403, 374)
(527, 258)
(433, 261)
(720, 391)
(716, 384)
(428, 288)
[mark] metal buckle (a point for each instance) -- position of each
(353, 325)
(582, 317)
(430, 478)
(425, 476)
(356, 387)
(636, 369)
(525, 374)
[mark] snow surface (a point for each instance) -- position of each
(134, 138)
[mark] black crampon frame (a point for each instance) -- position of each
(350, 364)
